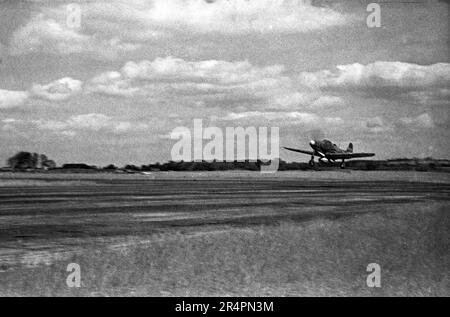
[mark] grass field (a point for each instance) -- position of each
(194, 234)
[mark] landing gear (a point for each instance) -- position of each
(342, 164)
(311, 162)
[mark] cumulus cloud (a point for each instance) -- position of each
(380, 74)
(222, 72)
(432, 97)
(241, 16)
(112, 27)
(423, 121)
(381, 125)
(9, 124)
(419, 83)
(112, 83)
(49, 32)
(211, 83)
(93, 122)
(324, 101)
(377, 125)
(57, 90)
(299, 97)
(11, 98)
(41, 32)
(282, 118)
(166, 75)
(425, 85)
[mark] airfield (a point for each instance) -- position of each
(225, 233)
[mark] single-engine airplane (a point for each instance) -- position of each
(325, 149)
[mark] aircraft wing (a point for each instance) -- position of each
(340, 156)
(299, 151)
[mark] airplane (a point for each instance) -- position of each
(325, 149)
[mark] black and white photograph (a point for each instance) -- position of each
(224, 153)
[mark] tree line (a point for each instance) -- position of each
(34, 161)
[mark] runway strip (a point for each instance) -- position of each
(56, 217)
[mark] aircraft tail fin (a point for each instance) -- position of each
(350, 148)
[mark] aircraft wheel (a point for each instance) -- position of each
(343, 165)
(311, 162)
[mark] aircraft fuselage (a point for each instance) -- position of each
(325, 146)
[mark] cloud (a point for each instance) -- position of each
(281, 118)
(417, 83)
(50, 33)
(381, 125)
(325, 101)
(93, 122)
(114, 27)
(432, 97)
(376, 125)
(221, 72)
(112, 83)
(240, 16)
(10, 121)
(11, 98)
(238, 83)
(40, 32)
(57, 90)
(9, 124)
(166, 76)
(299, 98)
(380, 74)
(423, 121)
(213, 83)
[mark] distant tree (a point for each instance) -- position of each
(27, 160)
(21, 160)
(34, 160)
(110, 167)
(132, 168)
(49, 164)
(43, 161)
(78, 166)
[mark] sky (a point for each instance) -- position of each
(108, 85)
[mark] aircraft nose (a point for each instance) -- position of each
(312, 142)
